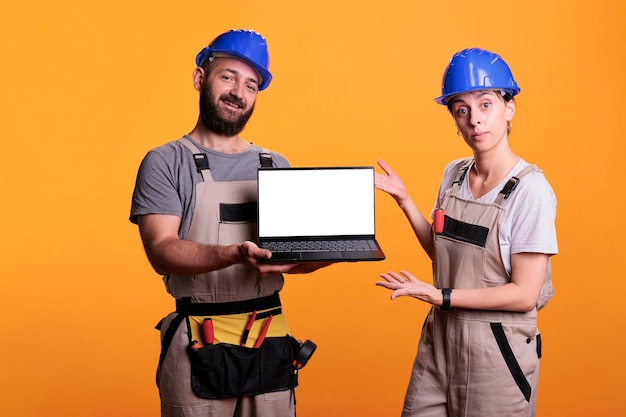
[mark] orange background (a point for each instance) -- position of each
(87, 87)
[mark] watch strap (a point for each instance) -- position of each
(446, 292)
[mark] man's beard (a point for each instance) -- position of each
(214, 120)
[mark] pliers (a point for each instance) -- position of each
(264, 329)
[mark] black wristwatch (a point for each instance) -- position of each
(445, 292)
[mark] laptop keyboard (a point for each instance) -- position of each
(321, 245)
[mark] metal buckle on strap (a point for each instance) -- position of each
(202, 161)
(509, 187)
(265, 159)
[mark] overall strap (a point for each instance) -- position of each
(169, 335)
(460, 176)
(200, 158)
(512, 183)
(265, 158)
(202, 161)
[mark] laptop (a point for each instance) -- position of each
(321, 214)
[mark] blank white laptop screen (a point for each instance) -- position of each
(316, 202)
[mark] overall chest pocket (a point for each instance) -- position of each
(238, 222)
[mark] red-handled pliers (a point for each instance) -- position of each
(246, 332)
(266, 326)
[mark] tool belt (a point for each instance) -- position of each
(225, 370)
(186, 307)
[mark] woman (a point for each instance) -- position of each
(490, 243)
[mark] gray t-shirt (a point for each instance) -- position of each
(528, 224)
(167, 178)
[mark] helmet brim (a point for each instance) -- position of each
(266, 76)
(443, 100)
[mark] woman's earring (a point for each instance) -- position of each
(458, 132)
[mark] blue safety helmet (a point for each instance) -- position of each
(476, 69)
(247, 45)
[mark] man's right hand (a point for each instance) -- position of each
(251, 254)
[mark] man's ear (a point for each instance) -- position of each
(198, 78)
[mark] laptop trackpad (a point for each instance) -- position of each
(319, 255)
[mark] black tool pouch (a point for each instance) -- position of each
(224, 370)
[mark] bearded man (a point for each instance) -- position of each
(195, 204)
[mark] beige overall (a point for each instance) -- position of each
(233, 284)
(474, 363)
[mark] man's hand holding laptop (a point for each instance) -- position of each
(250, 255)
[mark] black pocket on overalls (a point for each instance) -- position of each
(225, 370)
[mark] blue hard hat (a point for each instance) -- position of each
(247, 45)
(476, 69)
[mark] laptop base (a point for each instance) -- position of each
(286, 258)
